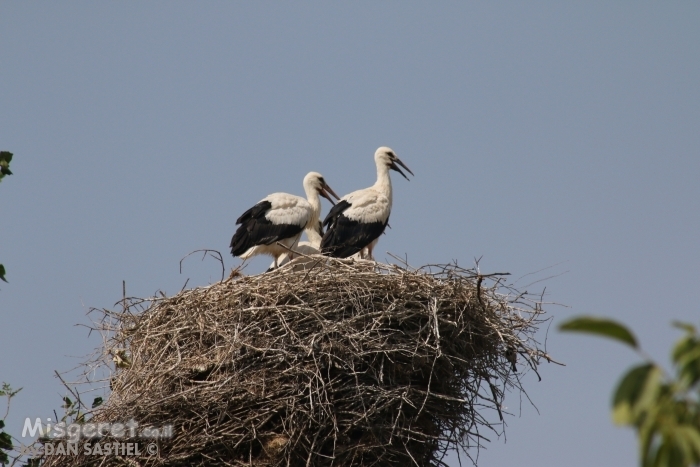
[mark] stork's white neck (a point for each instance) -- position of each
(313, 235)
(383, 184)
(315, 202)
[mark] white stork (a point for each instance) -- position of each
(280, 217)
(360, 217)
(312, 247)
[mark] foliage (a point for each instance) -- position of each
(664, 409)
(603, 327)
(72, 410)
(5, 438)
(12, 454)
(5, 159)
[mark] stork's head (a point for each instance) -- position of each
(314, 181)
(386, 156)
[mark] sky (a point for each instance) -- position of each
(559, 135)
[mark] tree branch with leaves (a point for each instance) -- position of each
(663, 408)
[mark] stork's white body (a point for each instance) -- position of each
(308, 248)
(274, 225)
(360, 217)
(371, 205)
(300, 262)
(286, 210)
(312, 247)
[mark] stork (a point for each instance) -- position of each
(312, 247)
(360, 217)
(280, 218)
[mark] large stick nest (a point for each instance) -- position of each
(346, 364)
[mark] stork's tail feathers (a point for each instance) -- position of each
(240, 242)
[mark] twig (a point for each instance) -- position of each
(211, 253)
(77, 396)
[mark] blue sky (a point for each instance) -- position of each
(541, 134)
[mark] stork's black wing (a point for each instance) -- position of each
(335, 211)
(256, 229)
(346, 237)
(320, 228)
(256, 211)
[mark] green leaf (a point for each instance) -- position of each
(5, 158)
(687, 439)
(676, 437)
(2, 424)
(683, 346)
(67, 403)
(692, 435)
(647, 435)
(686, 356)
(2, 273)
(602, 327)
(685, 327)
(97, 402)
(635, 393)
(5, 441)
(4, 459)
(689, 374)
(676, 455)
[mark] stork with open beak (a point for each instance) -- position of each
(280, 218)
(360, 217)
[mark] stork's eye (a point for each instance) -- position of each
(323, 182)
